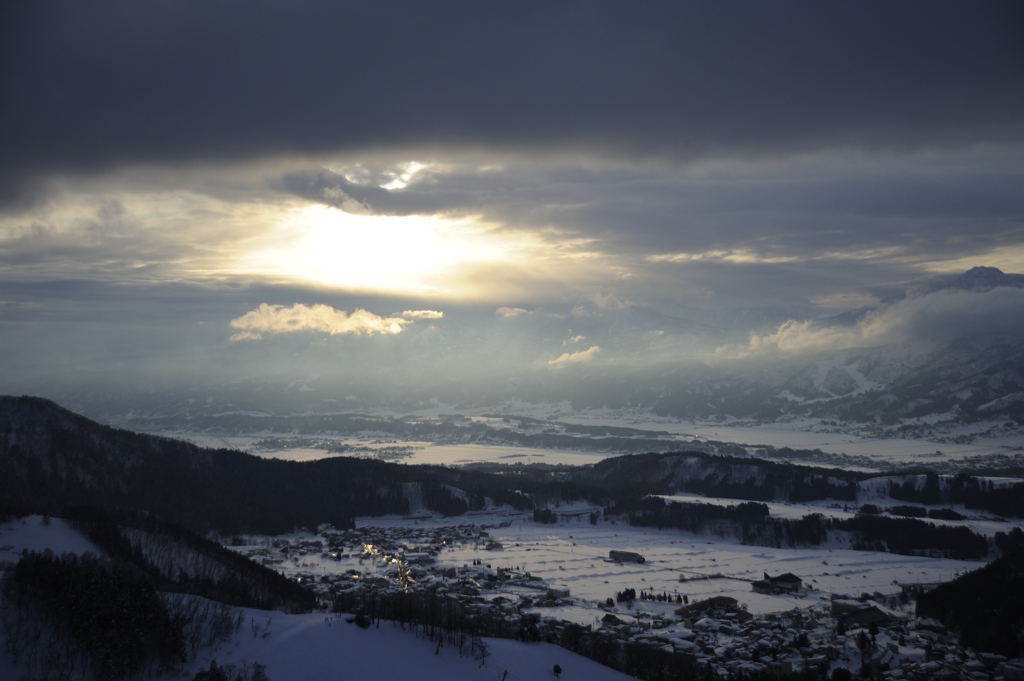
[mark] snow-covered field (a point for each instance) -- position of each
(457, 455)
(419, 452)
(891, 449)
(804, 434)
(884, 451)
(796, 434)
(34, 534)
(574, 555)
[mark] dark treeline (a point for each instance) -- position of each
(930, 493)
(545, 516)
(479, 486)
(1010, 542)
(963, 489)
(922, 512)
(441, 499)
(986, 606)
(945, 514)
(8, 513)
(445, 619)
(909, 511)
(189, 563)
(909, 536)
(751, 524)
(748, 522)
(82, 615)
(815, 487)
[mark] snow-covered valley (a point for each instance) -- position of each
(569, 559)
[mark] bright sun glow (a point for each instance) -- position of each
(412, 254)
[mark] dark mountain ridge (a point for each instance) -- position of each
(51, 458)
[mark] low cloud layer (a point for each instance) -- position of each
(277, 319)
(932, 317)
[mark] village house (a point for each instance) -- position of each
(786, 583)
(626, 557)
(709, 605)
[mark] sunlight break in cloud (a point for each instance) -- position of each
(275, 319)
(576, 357)
(416, 254)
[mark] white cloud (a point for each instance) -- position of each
(423, 314)
(576, 357)
(508, 312)
(275, 319)
(574, 339)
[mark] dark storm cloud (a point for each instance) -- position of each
(93, 85)
(932, 206)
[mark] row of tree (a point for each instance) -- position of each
(915, 512)
(751, 524)
(972, 492)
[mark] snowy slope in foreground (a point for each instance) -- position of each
(308, 647)
(32, 534)
(323, 646)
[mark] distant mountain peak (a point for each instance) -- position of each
(985, 278)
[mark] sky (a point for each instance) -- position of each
(205, 188)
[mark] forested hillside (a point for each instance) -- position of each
(51, 458)
(724, 476)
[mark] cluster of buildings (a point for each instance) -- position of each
(719, 634)
(869, 633)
